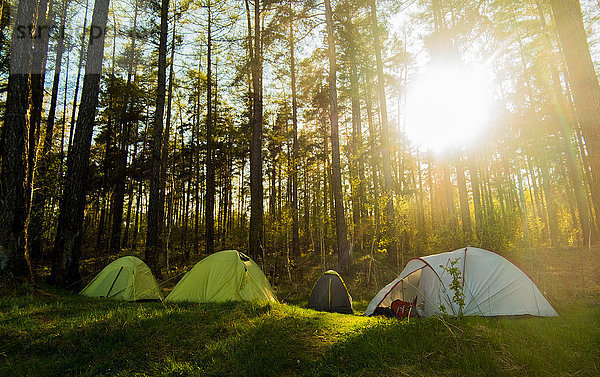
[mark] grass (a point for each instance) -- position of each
(66, 334)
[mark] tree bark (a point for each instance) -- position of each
(13, 201)
(465, 212)
(44, 186)
(356, 161)
(123, 146)
(550, 206)
(68, 243)
(37, 78)
(210, 169)
(385, 131)
(475, 187)
(336, 174)
(82, 53)
(374, 151)
(166, 136)
(294, 167)
(156, 203)
(582, 78)
(256, 241)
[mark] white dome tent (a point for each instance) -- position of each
(492, 286)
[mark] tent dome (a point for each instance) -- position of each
(330, 294)
(492, 286)
(127, 278)
(224, 276)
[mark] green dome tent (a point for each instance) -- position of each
(330, 294)
(224, 276)
(127, 279)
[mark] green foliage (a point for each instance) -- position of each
(500, 234)
(445, 237)
(456, 286)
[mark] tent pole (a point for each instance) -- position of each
(114, 281)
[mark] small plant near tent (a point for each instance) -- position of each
(455, 286)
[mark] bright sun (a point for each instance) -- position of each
(448, 107)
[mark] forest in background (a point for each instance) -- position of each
(177, 128)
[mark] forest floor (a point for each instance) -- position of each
(56, 333)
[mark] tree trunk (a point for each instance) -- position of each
(465, 212)
(336, 174)
(82, 53)
(374, 153)
(210, 169)
(294, 167)
(156, 203)
(524, 219)
(195, 163)
(104, 192)
(43, 181)
(449, 199)
(256, 242)
(13, 208)
(356, 164)
(68, 243)
(582, 79)
(475, 187)
(550, 207)
(165, 145)
(37, 78)
(118, 196)
(385, 131)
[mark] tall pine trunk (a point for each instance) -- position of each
(82, 54)
(156, 202)
(475, 187)
(210, 169)
(256, 241)
(13, 210)
(294, 167)
(336, 174)
(465, 212)
(120, 175)
(43, 181)
(356, 161)
(582, 79)
(68, 243)
(385, 128)
(37, 78)
(166, 136)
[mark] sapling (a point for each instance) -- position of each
(455, 286)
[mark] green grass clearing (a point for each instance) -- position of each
(66, 334)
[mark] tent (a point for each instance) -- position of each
(330, 294)
(127, 278)
(492, 286)
(224, 276)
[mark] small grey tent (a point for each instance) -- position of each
(330, 294)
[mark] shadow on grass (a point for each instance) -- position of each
(72, 335)
(101, 337)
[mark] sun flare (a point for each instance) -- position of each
(448, 107)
